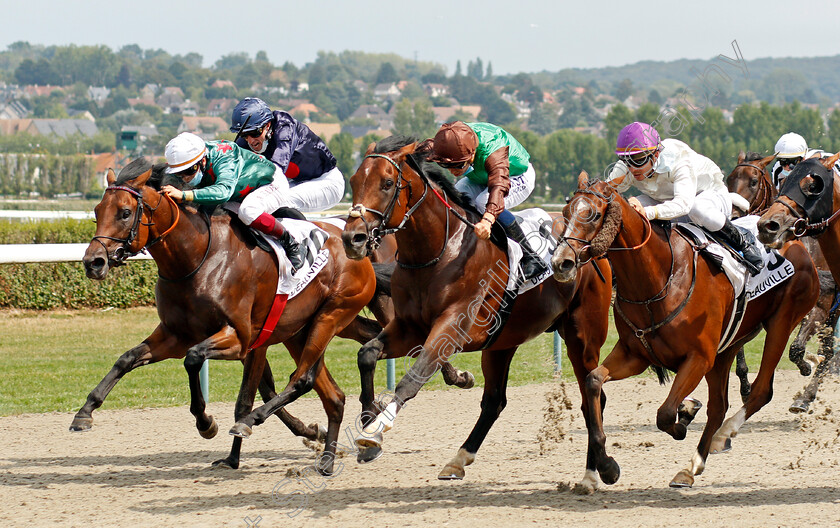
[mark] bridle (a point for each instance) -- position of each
(124, 251)
(375, 234)
(764, 192)
(802, 226)
(586, 245)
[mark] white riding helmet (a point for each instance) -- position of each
(791, 145)
(184, 151)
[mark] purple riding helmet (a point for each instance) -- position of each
(636, 138)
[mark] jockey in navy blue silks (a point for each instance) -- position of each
(315, 183)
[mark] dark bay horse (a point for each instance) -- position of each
(448, 292)
(672, 307)
(213, 297)
(751, 180)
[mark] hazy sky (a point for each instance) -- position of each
(514, 35)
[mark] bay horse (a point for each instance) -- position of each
(213, 296)
(448, 292)
(671, 310)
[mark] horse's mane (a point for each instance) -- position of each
(752, 156)
(431, 170)
(142, 164)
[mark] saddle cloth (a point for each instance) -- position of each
(777, 268)
(313, 253)
(536, 225)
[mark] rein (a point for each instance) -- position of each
(801, 227)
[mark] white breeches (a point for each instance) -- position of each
(521, 186)
(317, 194)
(265, 199)
(711, 209)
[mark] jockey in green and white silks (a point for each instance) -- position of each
(220, 171)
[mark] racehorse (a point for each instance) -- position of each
(671, 310)
(449, 292)
(750, 180)
(214, 294)
(785, 220)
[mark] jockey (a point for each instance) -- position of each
(676, 183)
(219, 171)
(315, 183)
(498, 174)
(790, 150)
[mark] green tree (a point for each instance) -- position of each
(617, 118)
(341, 145)
(414, 119)
(387, 73)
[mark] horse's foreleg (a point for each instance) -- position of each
(459, 378)
(742, 371)
(717, 380)
(223, 344)
(619, 364)
(158, 346)
(439, 346)
(495, 366)
(297, 427)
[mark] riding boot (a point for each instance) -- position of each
(532, 264)
(278, 230)
(743, 241)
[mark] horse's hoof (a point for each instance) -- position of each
(225, 463)
(680, 431)
(241, 430)
(684, 479)
(609, 471)
(805, 368)
(583, 489)
(470, 380)
(322, 433)
(211, 431)
(717, 446)
(796, 407)
(374, 440)
(451, 472)
(81, 424)
(368, 454)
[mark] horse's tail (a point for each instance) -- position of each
(662, 374)
(383, 274)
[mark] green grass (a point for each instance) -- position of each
(51, 360)
(48, 204)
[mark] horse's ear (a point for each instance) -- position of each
(741, 157)
(425, 146)
(828, 163)
(405, 151)
(583, 179)
(370, 148)
(110, 177)
(763, 162)
(141, 180)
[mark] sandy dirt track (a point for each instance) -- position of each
(150, 468)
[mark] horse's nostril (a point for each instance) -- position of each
(359, 238)
(567, 266)
(97, 263)
(772, 226)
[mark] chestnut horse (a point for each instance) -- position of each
(750, 180)
(671, 310)
(448, 292)
(213, 296)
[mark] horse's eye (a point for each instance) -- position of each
(387, 184)
(124, 214)
(753, 183)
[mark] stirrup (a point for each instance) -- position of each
(532, 266)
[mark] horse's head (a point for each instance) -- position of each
(749, 179)
(382, 190)
(805, 203)
(122, 219)
(593, 219)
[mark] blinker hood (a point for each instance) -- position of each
(817, 198)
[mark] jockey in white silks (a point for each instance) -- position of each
(680, 185)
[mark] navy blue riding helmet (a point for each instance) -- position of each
(252, 112)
